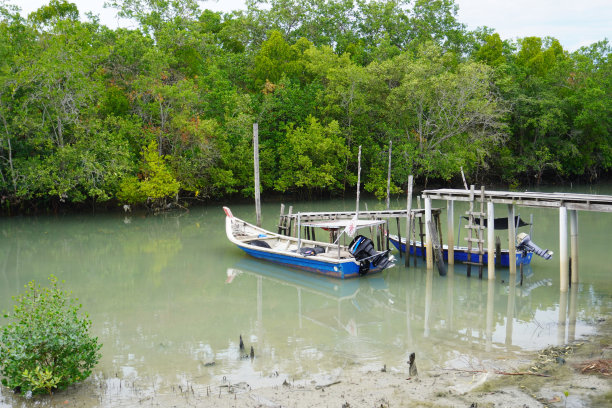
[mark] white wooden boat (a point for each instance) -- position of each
(329, 259)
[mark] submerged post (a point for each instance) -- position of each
(490, 240)
(256, 165)
(511, 240)
(563, 258)
(428, 245)
(574, 245)
(450, 217)
(389, 178)
(408, 220)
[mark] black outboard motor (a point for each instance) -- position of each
(362, 248)
(524, 243)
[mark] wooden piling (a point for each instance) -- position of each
(450, 226)
(389, 178)
(498, 253)
(358, 180)
(490, 240)
(428, 243)
(563, 258)
(511, 241)
(281, 221)
(574, 245)
(256, 169)
(408, 219)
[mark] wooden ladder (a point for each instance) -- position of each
(475, 232)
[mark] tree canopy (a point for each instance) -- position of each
(164, 111)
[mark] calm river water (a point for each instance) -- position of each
(169, 295)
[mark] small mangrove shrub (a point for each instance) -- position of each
(46, 344)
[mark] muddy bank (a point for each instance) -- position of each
(573, 375)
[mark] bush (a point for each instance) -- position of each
(46, 344)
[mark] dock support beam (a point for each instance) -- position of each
(574, 245)
(408, 220)
(450, 226)
(256, 170)
(428, 245)
(491, 240)
(563, 258)
(511, 240)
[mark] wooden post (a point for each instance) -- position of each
(574, 245)
(511, 241)
(399, 235)
(389, 178)
(408, 219)
(358, 180)
(289, 221)
(256, 165)
(281, 226)
(491, 240)
(498, 253)
(490, 313)
(571, 331)
(450, 217)
(510, 309)
(428, 245)
(562, 318)
(563, 258)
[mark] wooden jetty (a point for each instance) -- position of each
(293, 224)
(564, 202)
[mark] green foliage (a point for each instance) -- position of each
(312, 157)
(80, 102)
(46, 345)
(156, 183)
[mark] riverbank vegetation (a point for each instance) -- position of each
(164, 110)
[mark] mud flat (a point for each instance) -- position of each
(573, 375)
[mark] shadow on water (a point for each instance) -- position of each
(169, 298)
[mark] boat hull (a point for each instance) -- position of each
(341, 270)
(461, 254)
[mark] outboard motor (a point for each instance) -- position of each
(362, 248)
(524, 243)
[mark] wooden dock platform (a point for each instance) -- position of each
(563, 201)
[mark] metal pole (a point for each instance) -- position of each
(256, 165)
(428, 244)
(511, 241)
(450, 217)
(563, 258)
(408, 219)
(389, 178)
(574, 245)
(491, 240)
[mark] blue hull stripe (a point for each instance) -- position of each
(341, 270)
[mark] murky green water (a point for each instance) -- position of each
(169, 294)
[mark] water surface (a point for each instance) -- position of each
(169, 295)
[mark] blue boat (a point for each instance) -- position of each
(461, 253)
(330, 259)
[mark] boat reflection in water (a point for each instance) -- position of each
(380, 319)
(356, 294)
